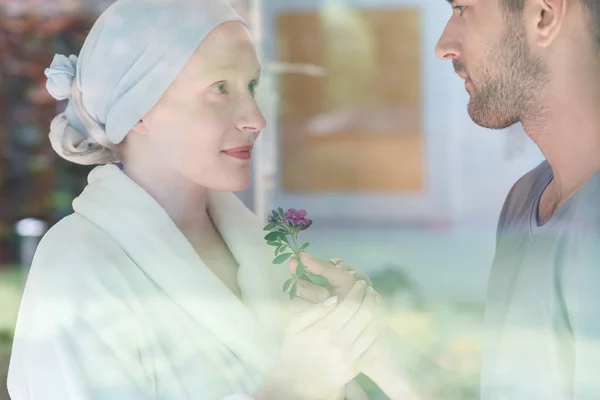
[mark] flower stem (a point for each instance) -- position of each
(295, 249)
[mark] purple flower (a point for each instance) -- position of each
(296, 217)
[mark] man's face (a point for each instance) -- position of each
(489, 50)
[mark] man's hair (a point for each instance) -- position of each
(513, 6)
(593, 6)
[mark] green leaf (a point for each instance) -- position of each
(274, 244)
(301, 270)
(287, 284)
(275, 215)
(273, 236)
(281, 258)
(304, 246)
(282, 231)
(294, 290)
(305, 227)
(270, 226)
(317, 279)
(284, 238)
(277, 251)
(281, 212)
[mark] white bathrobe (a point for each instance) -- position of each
(118, 305)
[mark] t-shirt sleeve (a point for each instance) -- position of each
(580, 272)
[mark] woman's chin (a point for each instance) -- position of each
(233, 184)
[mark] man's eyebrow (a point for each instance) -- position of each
(451, 2)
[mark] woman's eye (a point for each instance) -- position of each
(219, 89)
(252, 88)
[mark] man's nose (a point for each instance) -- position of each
(448, 46)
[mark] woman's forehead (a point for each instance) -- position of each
(224, 52)
(225, 39)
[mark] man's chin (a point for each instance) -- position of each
(477, 114)
(488, 121)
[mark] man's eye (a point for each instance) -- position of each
(461, 9)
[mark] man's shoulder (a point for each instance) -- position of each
(531, 181)
(518, 204)
(525, 190)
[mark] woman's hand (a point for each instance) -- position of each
(375, 362)
(341, 276)
(323, 347)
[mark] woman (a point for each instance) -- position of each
(159, 285)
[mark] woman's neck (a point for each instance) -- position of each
(183, 200)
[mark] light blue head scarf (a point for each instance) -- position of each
(133, 53)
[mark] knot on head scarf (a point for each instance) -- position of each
(133, 53)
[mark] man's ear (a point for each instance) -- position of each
(546, 20)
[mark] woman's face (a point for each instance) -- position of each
(205, 124)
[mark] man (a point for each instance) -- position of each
(538, 62)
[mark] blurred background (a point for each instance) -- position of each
(367, 131)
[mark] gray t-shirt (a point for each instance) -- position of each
(543, 305)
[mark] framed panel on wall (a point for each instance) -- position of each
(364, 139)
(357, 128)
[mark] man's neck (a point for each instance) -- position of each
(568, 135)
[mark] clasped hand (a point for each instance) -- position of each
(337, 328)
